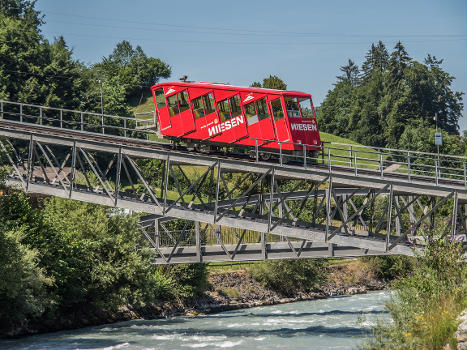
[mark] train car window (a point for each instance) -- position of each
(305, 107)
(160, 98)
(208, 103)
(277, 110)
(198, 109)
(224, 112)
(235, 108)
(262, 109)
(173, 105)
(292, 107)
(183, 101)
(250, 113)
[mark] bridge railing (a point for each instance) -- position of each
(142, 126)
(411, 165)
(406, 164)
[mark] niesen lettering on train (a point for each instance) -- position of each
(227, 125)
(304, 127)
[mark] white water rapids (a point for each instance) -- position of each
(333, 323)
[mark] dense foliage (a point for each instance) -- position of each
(394, 101)
(33, 70)
(289, 276)
(271, 82)
(426, 302)
(69, 258)
(390, 267)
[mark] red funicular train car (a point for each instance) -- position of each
(213, 114)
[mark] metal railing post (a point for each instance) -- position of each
(355, 162)
(329, 159)
(73, 166)
(381, 164)
(102, 124)
(436, 172)
(256, 150)
(40, 116)
(30, 158)
(280, 153)
(1, 108)
(465, 175)
(408, 164)
(82, 121)
(61, 119)
(440, 175)
(124, 127)
(304, 156)
(21, 113)
(351, 155)
(322, 152)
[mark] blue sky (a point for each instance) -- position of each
(302, 42)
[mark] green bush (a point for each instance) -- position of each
(426, 302)
(71, 258)
(23, 283)
(188, 279)
(288, 277)
(390, 267)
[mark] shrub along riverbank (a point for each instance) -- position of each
(426, 302)
(66, 264)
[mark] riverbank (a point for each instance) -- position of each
(228, 290)
(231, 290)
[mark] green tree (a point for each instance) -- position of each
(335, 111)
(31, 69)
(92, 253)
(125, 74)
(271, 82)
(23, 283)
(376, 60)
(395, 93)
(351, 73)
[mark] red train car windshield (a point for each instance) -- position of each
(238, 116)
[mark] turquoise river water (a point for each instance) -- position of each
(333, 323)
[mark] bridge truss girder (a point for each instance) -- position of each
(224, 209)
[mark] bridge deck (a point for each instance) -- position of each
(321, 216)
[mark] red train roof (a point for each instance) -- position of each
(223, 86)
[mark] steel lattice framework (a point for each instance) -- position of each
(201, 208)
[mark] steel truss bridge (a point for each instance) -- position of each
(348, 201)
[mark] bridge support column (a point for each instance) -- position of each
(345, 211)
(331, 249)
(157, 236)
(398, 216)
(199, 256)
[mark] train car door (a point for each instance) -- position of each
(162, 109)
(181, 117)
(206, 118)
(260, 125)
(280, 122)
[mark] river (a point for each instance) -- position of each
(333, 323)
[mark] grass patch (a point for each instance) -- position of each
(147, 105)
(367, 157)
(231, 292)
